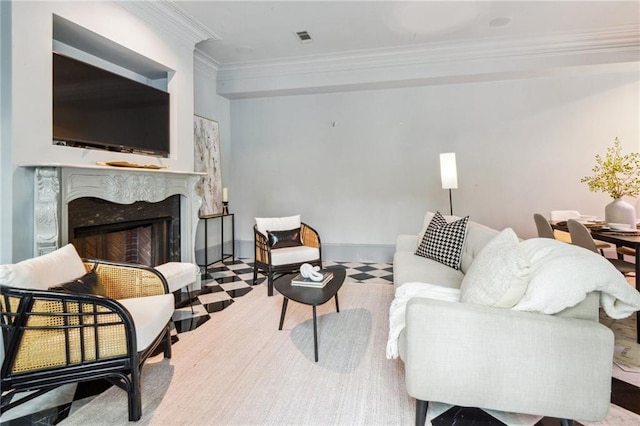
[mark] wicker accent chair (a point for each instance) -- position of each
(274, 262)
(52, 338)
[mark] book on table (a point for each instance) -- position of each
(300, 281)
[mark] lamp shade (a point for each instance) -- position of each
(448, 170)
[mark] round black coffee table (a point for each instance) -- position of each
(310, 296)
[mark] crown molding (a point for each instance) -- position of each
(168, 16)
(436, 63)
(619, 39)
(205, 63)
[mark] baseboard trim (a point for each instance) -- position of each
(214, 253)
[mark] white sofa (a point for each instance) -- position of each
(469, 354)
(407, 267)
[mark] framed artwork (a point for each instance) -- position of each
(206, 140)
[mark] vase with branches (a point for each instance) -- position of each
(618, 175)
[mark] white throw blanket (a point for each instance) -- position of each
(563, 274)
(399, 306)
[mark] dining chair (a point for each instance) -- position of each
(563, 215)
(543, 226)
(625, 251)
(580, 236)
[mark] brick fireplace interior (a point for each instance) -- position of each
(142, 232)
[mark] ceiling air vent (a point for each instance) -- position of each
(304, 37)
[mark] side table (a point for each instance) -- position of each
(310, 296)
(224, 255)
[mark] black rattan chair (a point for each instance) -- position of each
(52, 338)
(270, 265)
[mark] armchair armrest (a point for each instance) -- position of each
(309, 236)
(47, 329)
(124, 280)
(471, 355)
(406, 242)
(262, 248)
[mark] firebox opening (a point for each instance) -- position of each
(143, 242)
(142, 232)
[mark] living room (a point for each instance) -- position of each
(352, 146)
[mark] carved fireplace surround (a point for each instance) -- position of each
(55, 185)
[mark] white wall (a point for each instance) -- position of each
(209, 105)
(31, 85)
(5, 133)
(522, 147)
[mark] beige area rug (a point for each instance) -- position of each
(238, 369)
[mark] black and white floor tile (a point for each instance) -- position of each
(224, 283)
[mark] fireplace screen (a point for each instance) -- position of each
(142, 233)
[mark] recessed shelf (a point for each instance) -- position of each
(82, 39)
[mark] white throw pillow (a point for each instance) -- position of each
(499, 275)
(42, 272)
(285, 223)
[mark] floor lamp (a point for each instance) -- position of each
(449, 174)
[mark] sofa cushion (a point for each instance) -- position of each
(407, 267)
(265, 224)
(286, 238)
(87, 284)
(150, 315)
(42, 272)
(499, 275)
(478, 236)
(443, 241)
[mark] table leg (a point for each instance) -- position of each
(637, 280)
(206, 249)
(315, 333)
(337, 306)
(233, 237)
(284, 311)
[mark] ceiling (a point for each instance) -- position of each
(263, 31)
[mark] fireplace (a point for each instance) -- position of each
(130, 214)
(142, 232)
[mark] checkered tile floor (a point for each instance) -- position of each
(223, 282)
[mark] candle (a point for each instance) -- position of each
(225, 195)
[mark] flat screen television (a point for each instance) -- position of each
(95, 108)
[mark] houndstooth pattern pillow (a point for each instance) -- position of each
(443, 241)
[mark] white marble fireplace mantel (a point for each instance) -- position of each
(55, 185)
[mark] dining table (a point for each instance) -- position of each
(630, 239)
